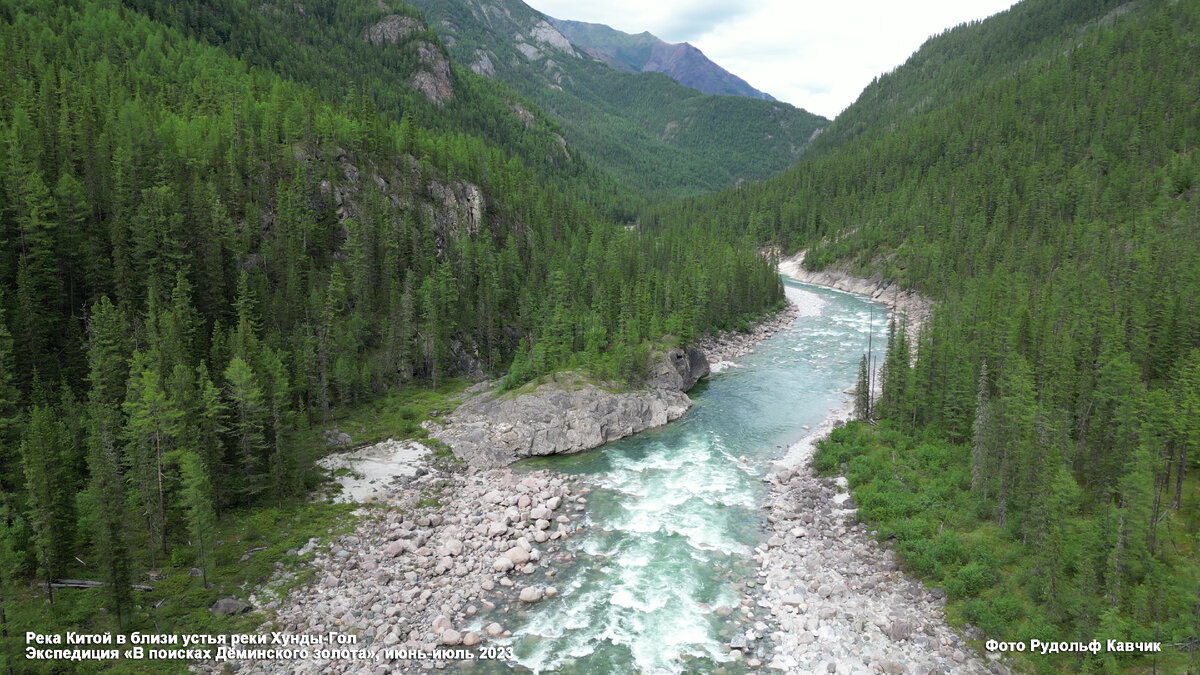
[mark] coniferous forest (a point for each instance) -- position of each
(1035, 451)
(227, 227)
(203, 259)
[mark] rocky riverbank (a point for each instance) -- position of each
(567, 413)
(723, 348)
(837, 598)
(441, 562)
(915, 308)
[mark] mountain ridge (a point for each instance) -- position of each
(658, 136)
(645, 52)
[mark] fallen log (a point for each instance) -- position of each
(83, 583)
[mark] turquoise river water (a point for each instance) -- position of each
(672, 517)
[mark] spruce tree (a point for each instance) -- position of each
(151, 431)
(106, 499)
(862, 393)
(248, 412)
(198, 508)
(42, 451)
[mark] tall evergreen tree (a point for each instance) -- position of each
(198, 507)
(248, 410)
(151, 432)
(42, 458)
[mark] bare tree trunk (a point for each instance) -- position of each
(1180, 468)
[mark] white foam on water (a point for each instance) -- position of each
(669, 514)
(721, 366)
(807, 302)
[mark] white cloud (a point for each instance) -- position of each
(815, 55)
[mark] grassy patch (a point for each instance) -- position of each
(398, 415)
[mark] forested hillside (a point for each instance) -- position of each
(384, 54)
(1038, 459)
(646, 129)
(202, 258)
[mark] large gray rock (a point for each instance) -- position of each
(677, 369)
(229, 606)
(565, 415)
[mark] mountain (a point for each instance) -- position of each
(1037, 175)
(965, 59)
(656, 135)
(644, 53)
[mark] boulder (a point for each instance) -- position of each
(441, 624)
(677, 369)
(518, 555)
(901, 629)
(531, 594)
(230, 606)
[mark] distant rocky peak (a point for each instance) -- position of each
(644, 52)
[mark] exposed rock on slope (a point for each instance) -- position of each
(646, 53)
(392, 29)
(565, 415)
(569, 413)
(433, 79)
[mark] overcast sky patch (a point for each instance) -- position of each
(815, 55)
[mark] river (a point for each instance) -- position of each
(673, 514)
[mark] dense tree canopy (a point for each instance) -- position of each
(201, 256)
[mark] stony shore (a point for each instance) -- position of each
(439, 562)
(915, 308)
(838, 602)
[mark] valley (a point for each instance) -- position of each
(453, 325)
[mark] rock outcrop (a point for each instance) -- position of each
(392, 29)
(564, 415)
(433, 77)
(678, 369)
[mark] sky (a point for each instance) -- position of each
(816, 55)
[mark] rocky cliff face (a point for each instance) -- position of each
(678, 369)
(645, 53)
(433, 78)
(565, 415)
(569, 413)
